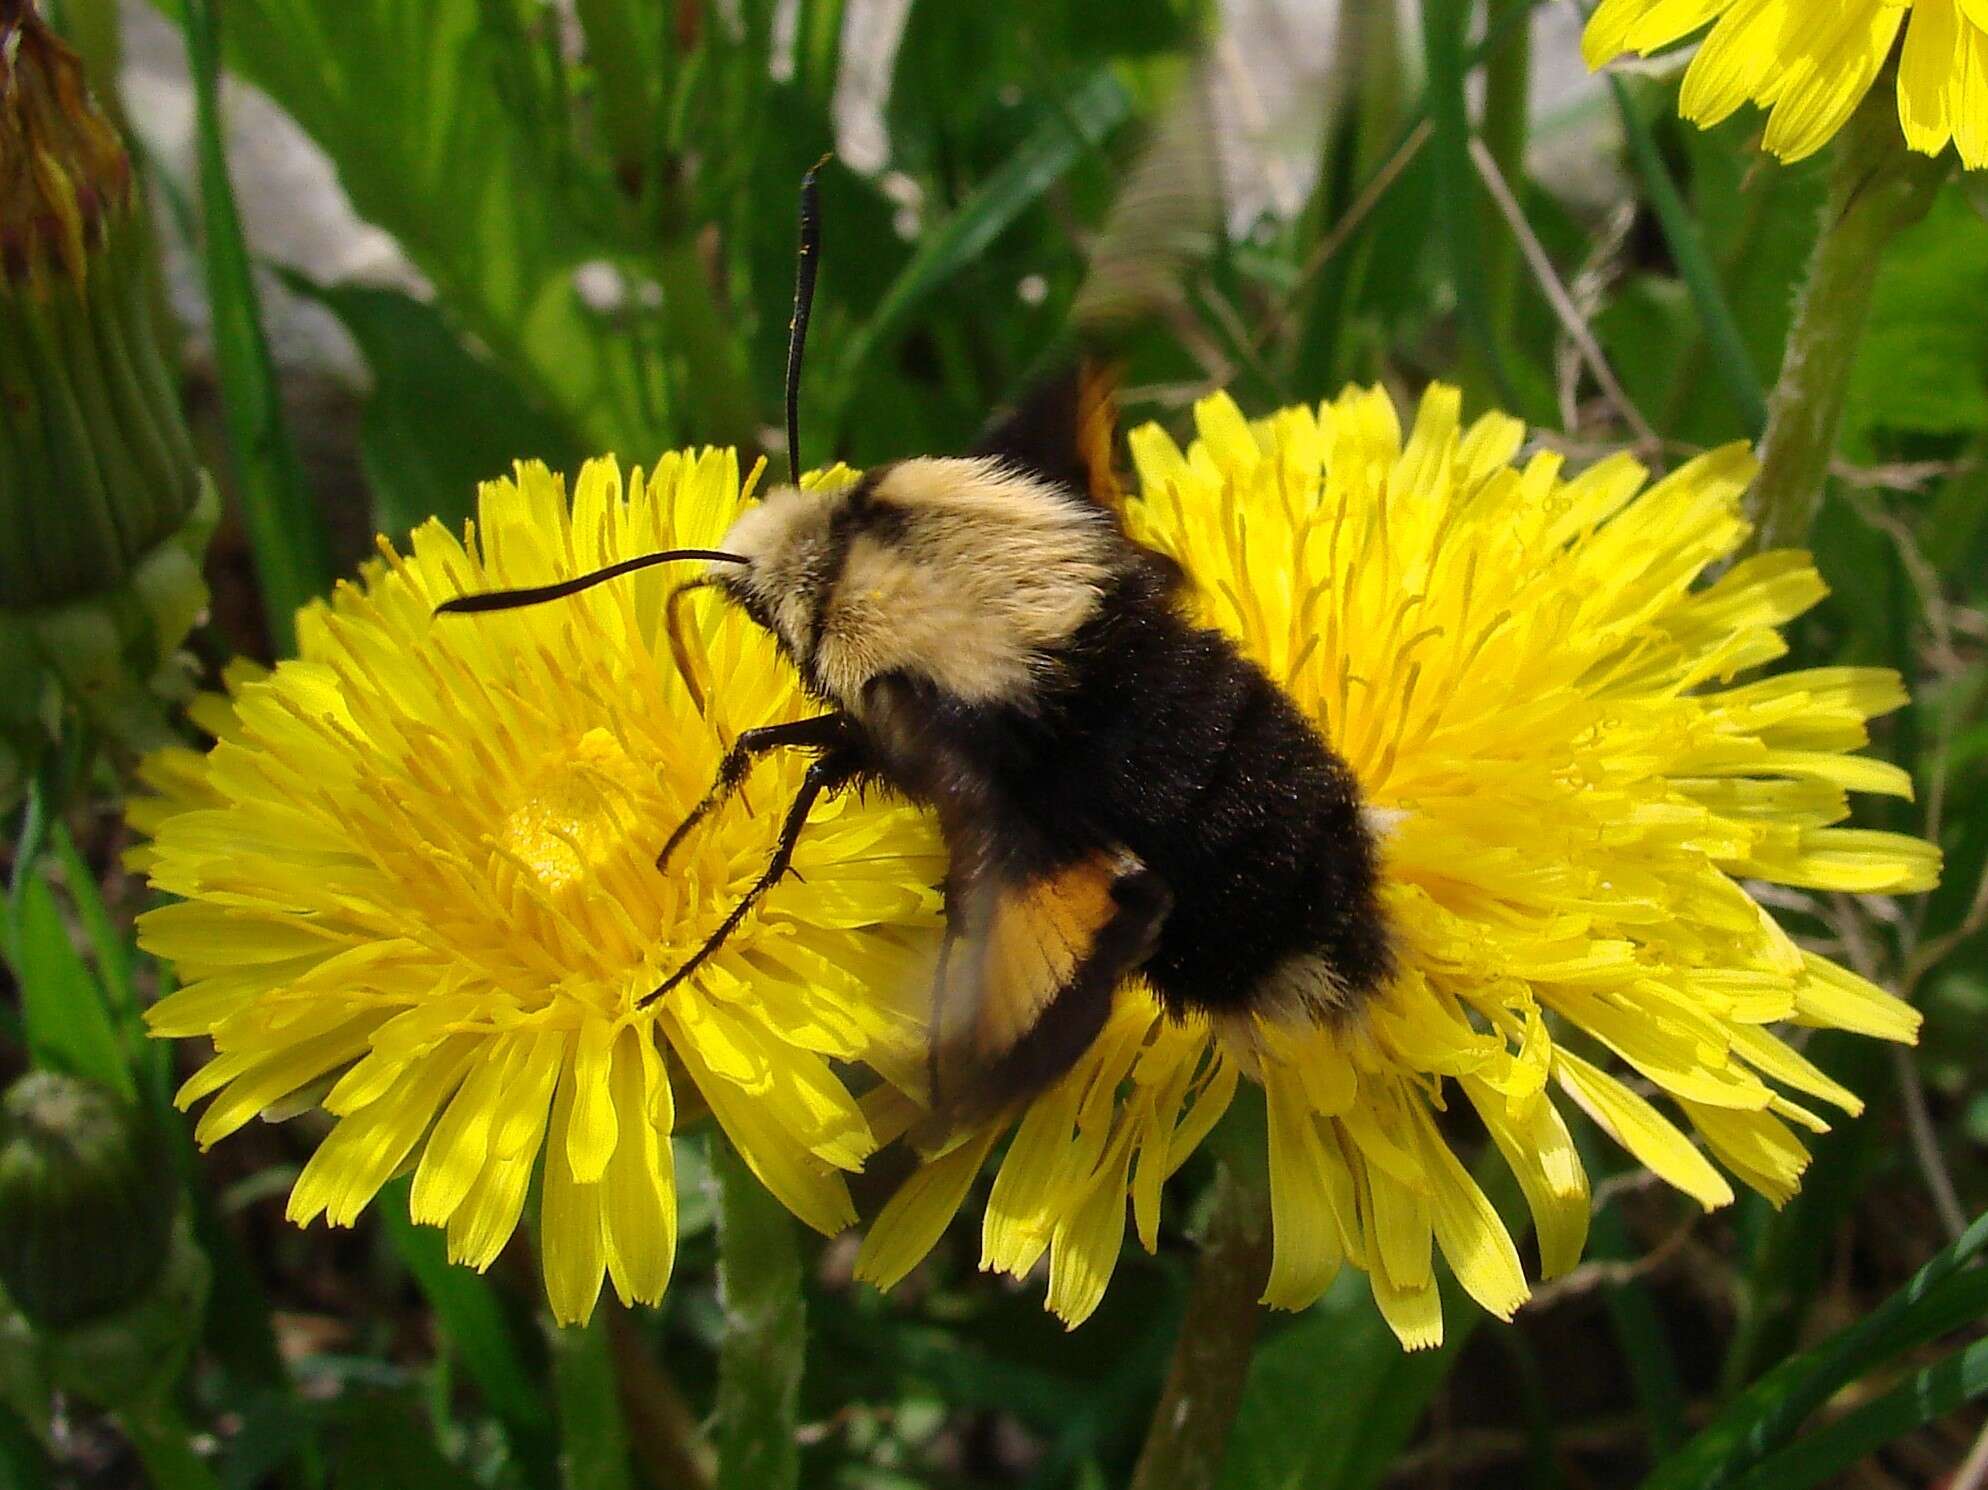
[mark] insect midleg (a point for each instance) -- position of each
(826, 774)
(820, 733)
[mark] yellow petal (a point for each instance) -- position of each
(1306, 1253)
(591, 1124)
(917, 1215)
(362, 1152)
(1414, 1314)
(1638, 1127)
(638, 1190)
(1927, 70)
(1084, 1249)
(1757, 1146)
(1836, 998)
(572, 1248)
(1541, 1155)
(1474, 1240)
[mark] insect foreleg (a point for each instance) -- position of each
(826, 774)
(820, 733)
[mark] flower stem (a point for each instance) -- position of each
(1189, 1434)
(759, 1363)
(1878, 188)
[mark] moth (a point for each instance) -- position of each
(1120, 790)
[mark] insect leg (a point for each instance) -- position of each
(823, 775)
(819, 733)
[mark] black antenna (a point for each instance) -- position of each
(806, 266)
(539, 594)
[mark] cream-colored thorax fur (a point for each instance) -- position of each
(962, 571)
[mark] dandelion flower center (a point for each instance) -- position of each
(581, 815)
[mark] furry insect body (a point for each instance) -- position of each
(1120, 790)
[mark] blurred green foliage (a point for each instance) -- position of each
(600, 198)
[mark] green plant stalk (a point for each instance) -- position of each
(623, 46)
(292, 552)
(1878, 189)
(765, 1344)
(1189, 1434)
(1507, 103)
(593, 1439)
(1730, 358)
(719, 398)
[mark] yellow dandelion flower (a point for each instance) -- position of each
(1812, 61)
(1537, 696)
(418, 874)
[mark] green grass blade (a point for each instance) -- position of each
(1942, 1296)
(765, 1344)
(112, 947)
(63, 1013)
(292, 553)
(1507, 114)
(593, 1438)
(1923, 1397)
(1730, 359)
(1084, 120)
(1447, 58)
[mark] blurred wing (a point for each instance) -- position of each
(1027, 982)
(1164, 223)
(1166, 220)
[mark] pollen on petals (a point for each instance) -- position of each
(1554, 711)
(418, 885)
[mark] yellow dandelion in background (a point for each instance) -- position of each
(1537, 696)
(418, 873)
(1812, 61)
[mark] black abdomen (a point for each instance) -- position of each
(1170, 741)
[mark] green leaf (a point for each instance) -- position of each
(1083, 121)
(1923, 364)
(1924, 1397)
(1363, 1394)
(765, 1341)
(471, 1316)
(441, 417)
(445, 123)
(593, 1436)
(1942, 1296)
(292, 553)
(1732, 364)
(67, 1025)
